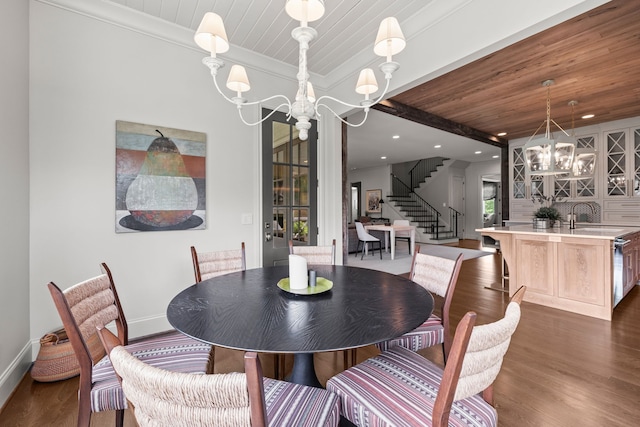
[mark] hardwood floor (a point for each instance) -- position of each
(562, 369)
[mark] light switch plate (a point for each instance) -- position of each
(246, 218)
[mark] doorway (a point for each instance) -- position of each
(354, 205)
(289, 188)
(490, 209)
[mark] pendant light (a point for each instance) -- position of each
(546, 155)
(584, 162)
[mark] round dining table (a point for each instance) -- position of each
(248, 311)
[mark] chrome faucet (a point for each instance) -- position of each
(572, 214)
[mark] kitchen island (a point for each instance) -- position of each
(587, 270)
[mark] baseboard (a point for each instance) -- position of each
(14, 373)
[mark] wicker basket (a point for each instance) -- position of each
(56, 360)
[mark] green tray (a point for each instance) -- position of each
(322, 285)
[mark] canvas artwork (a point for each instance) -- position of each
(160, 178)
(373, 201)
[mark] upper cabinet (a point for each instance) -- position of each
(525, 187)
(622, 174)
(615, 187)
(584, 189)
(621, 204)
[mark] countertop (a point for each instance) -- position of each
(589, 230)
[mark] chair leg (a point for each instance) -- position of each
(364, 245)
(212, 360)
(120, 418)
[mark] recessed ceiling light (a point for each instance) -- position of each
(383, 157)
(478, 152)
(395, 136)
(588, 116)
(437, 146)
(495, 157)
(502, 134)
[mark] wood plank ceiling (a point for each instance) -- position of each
(594, 59)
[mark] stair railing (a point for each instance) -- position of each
(453, 220)
(423, 169)
(399, 188)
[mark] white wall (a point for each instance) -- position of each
(375, 178)
(86, 74)
(15, 350)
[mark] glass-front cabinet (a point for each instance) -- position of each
(622, 173)
(525, 187)
(614, 187)
(578, 189)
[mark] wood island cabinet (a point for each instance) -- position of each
(571, 270)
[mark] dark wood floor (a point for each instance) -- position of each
(562, 369)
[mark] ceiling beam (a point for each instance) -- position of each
(425, 118)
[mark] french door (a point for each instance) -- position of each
(289, 187)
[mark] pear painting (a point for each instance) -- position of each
(159, 186)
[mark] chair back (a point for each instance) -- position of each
(210, 264)
(362, 233)
(403, 222)
(439, 276)
(164, 398)
(476, 358)
(83, 307)
(318, 255)
(435, 274)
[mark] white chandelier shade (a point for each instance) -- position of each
(211, 36)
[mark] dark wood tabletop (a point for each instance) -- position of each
(247, 311)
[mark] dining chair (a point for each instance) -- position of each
(94, 303)
(402, 388)
(318, 255)
(403, 235)
(438, 276)
(172, 399)
(210, 264)
(365, 238)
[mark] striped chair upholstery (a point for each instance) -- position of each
(211, 264)
(172, 351)
(94, 303)
(163, 398)
(401, 388)
(438, 276)
(289, 404)
(315, 255)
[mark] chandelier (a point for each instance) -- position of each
(211, 36)
(545, 155)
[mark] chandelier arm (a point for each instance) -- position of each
(242, 102)
(215, 82)
(365, 106)
(536, 132)
(264, 118)
(560, 127)
(355, 125)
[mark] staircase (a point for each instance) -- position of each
(428, 220)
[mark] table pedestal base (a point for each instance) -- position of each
(304, 371)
